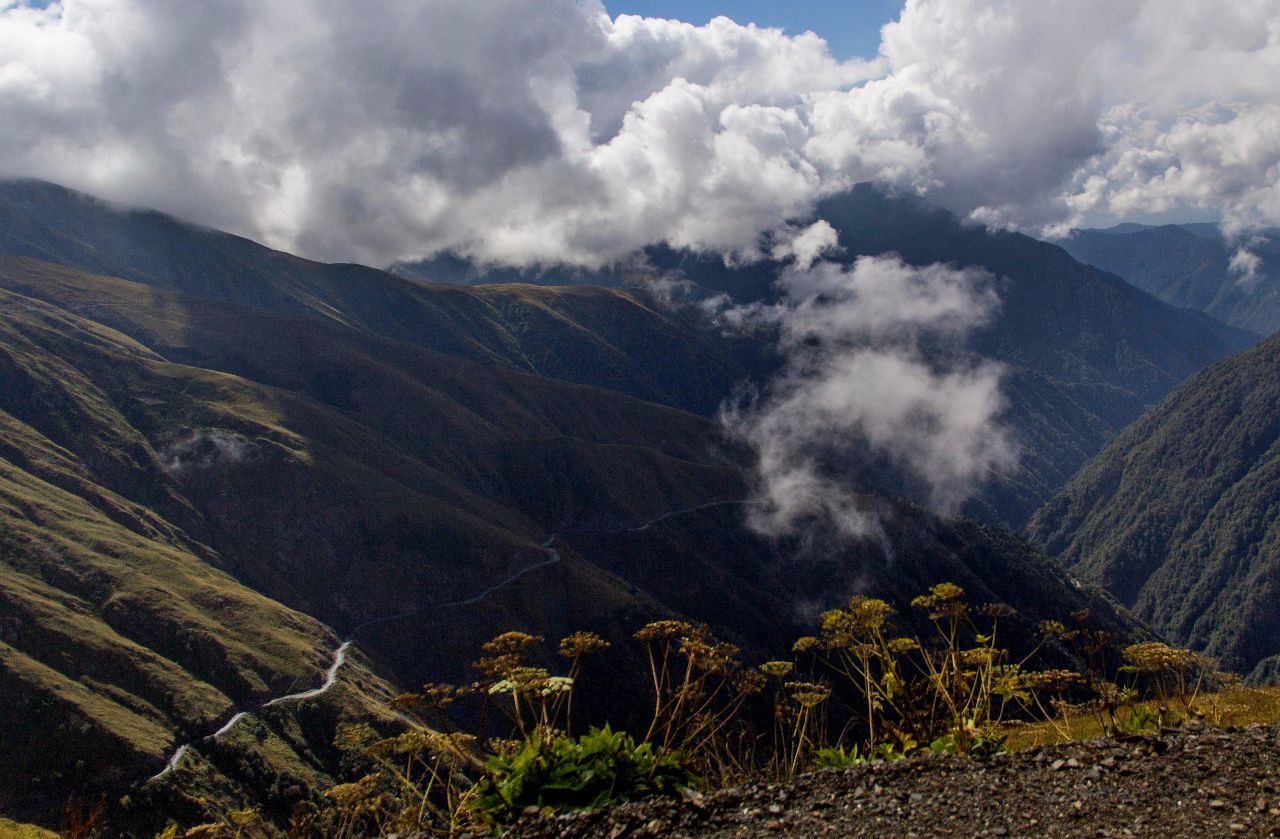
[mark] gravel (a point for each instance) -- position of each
(1198, 783)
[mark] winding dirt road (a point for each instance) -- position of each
(340, 654)
(330, 677)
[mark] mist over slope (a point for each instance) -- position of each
(1083, 353)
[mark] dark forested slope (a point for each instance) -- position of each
(1190, 265)
(1179, 517)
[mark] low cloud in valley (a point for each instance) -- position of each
(858, 378)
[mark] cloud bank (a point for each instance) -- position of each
(547, 131)
(858, 378)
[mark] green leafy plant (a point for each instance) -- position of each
(1136, 719)
(980, 747)
(837, 757)
(562, 773)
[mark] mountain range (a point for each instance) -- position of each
(1191, 265)
(220, 461)
(1084, 352)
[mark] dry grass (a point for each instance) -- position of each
(10, 829)
(1238, 706)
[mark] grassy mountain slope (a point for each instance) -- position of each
(1183, 266)
(1178, 517)
(347, 441)
(614, 339)
(354, 478)
(138, 495)
(116, 639)
(122, 634)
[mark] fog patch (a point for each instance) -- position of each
(1246, 266)
(205, 449)
(860, 385)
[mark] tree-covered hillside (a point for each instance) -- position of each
(1179, 517)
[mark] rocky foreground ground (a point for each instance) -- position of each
(1195, 783)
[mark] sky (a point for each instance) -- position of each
(850, 27)
(525, 132)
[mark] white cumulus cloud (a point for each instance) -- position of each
(541, 131)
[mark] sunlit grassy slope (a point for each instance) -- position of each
(10, 829)
(117, 639)
(1234, 707)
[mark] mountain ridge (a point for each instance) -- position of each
(1086, 353)
(290, 455)
(1191, 266)
(359, 465)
